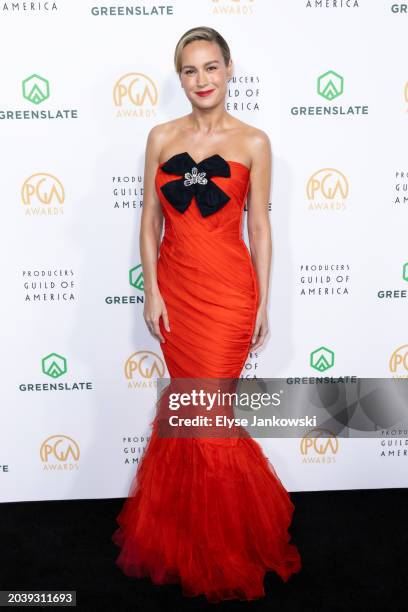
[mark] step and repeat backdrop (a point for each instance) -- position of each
(82, 84)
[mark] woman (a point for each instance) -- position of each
(210, 514)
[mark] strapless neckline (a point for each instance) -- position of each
(228, 161)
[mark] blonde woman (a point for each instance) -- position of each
(211, 515)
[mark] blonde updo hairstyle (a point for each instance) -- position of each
(200, 33)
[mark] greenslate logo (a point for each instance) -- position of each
(322, 359)
(54, 365)
(36, 89)
(330, 85)
(136, 277)
(405, 271)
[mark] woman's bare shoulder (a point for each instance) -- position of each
(256, 140)
(254, 136)
(161, 132)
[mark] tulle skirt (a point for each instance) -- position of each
(209, 514)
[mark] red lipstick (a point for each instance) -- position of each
(204, 93)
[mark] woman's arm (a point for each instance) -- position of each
(259, 228)
(151, 225)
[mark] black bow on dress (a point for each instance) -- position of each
(196, 181)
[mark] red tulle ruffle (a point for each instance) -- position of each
(211, 515)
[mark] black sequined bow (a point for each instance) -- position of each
(196, 181)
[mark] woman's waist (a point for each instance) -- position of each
(189, 240)
(229, 246)
(231, 258)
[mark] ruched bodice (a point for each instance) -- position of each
(205, 272)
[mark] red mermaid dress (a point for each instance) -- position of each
(210, 514)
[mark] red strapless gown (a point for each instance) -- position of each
(211, 515)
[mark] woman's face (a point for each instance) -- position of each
(203, 70)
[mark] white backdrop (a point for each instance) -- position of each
(327, 80)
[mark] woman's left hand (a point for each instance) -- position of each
(261, 328)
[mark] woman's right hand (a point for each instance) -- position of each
(154, 308)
